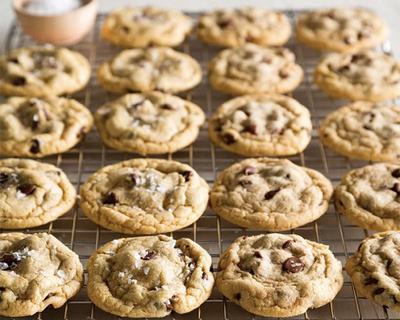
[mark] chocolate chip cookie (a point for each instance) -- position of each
(149, 69)
(278, 275)
(135, 27)
(270, 194)
(370, 196)
(261, 125)
(42, 71)
(36, 270)
(365, 75)
(145, 196)
(235, 27)
(149, 123)
(374, 269)
(37, 127)
(341, 29)
(149, 276)
(253, 69)
(32, 193)
(363, 130)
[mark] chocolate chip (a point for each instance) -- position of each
(35, 146)
(287, 244)
(26, 188)
(396, 188)
(228, 138)
(191, 265)
(257, 254)
(378, 291)
(396, 173)
(283, 74)
(344, 68)
(167, 106)
(3, 177)
(363, 34)
(293, 265)
(237, 296)
(348, 40)
(110, 198)
(186, 174)
(18, 81)
(149, 255)
(12, 60)
(389, 262)
(368, 281)
(367, 127)
(270, 194)
(251, 128)
(248, 171)
(135, 178)
(125, 29)
(356, 57)
(204, 276)
(223, 23)
(9, 261)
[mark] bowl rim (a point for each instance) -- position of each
(18, 8)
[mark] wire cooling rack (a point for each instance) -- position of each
(214, 234)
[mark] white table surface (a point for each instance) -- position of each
(389, 10)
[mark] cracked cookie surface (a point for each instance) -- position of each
(33, 127)
(253, 69)
(136, 27)
(36, 270)
(149, 276)
(236, 27)
(145, 196)
(261, 125)
(32, 193)
(150, 69)
(374, 269)
(149, 123)
(277, 275)
(369, 196)
(365, 75)
(270, 194)
(363, 130)
(42, 71)
(341, 29)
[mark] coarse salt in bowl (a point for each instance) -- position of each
(60, 22)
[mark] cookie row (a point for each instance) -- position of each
(155, 275)
(335, 29)
(148, 196)
(269, 275)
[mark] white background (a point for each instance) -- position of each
(389, 10)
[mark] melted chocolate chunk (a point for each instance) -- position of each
(9, 261)
(370, 281)
(396, 188)
(26, 188)
(251, 128)
(248, 171)
(228, 138)
(204, 276)
(257, 254)
(110, 198)
(35, 146)
(293, 265)
(378, 291)
(18, 81)
(3, 177)
(149, 255)
(186, 174)
(167, 106)
(283, 74)
(12, 60)
(396, 173)
(237, 296)
(270, 194)
(287, 244)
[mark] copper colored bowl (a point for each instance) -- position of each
(61, 29)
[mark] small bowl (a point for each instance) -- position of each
(60, 29)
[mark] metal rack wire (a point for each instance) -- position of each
(214, 234)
